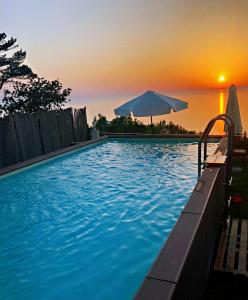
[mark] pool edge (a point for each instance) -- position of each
(181, 269)
(39, 159)
(160, 136)
(47, 156)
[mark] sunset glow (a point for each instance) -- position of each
(221, 103)
(115, 50)
(221, 78)
(98, 51)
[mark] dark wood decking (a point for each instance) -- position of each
(229, 278)
(232, 250)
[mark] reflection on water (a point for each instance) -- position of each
(221, 103)
(203, 105)
(219, 126)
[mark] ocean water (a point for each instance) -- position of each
(203, 105)
(88, 225)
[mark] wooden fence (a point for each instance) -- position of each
(25, 136)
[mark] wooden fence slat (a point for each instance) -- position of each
(2, 143)
(243, 248)
(232, 245)
(11, 149)
(80, 124)
(27, 129)
(49, 130)
(65, 119)
(25, 136)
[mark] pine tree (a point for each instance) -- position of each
(38, 94)
(11, 66)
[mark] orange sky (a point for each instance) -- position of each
(109, 51)
(133, 45)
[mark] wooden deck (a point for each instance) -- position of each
(232, 250)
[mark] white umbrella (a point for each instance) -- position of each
(232, 110)
(150, 104)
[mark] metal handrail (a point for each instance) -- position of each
(227, 120)
(204, 138)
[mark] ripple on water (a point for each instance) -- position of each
(89, 225)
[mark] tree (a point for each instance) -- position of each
(100, 122)
(38, 94)
(128, 125)
(12, 67)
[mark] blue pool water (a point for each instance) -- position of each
(88, 225)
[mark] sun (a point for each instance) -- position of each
(222, 78)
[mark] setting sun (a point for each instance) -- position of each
(221, 78)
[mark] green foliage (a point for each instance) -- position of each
(240, 187)
(127, 125)
(170, 127)
(33, 94)
(11, 66)
(100, 122)
(38, 94)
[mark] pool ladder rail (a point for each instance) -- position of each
(222, 156)
(219, 158)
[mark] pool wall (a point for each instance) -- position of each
(181, 270)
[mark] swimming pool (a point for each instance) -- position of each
(89, 224)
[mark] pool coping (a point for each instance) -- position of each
(38, 159)
(49, 155)
(181, 269)
(167, 136)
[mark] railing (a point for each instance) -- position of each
(229, 122)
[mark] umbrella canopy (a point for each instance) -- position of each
(150, 104)
(232, 110)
